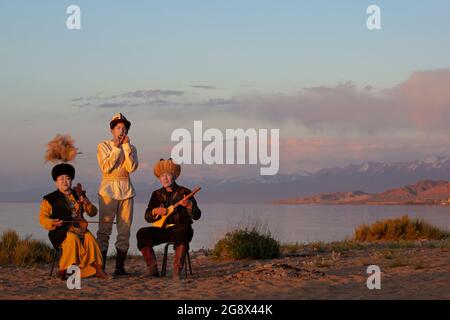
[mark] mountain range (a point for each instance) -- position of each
(372, 177)
(423, 192)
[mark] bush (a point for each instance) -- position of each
(23, 252)
(247, 243)
(399, 229)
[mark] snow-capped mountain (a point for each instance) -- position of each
(372, 177)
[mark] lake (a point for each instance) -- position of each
(288, 223)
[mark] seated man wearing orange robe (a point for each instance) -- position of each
(58, 209)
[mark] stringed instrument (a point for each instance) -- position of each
(161, 222)
(79, 223)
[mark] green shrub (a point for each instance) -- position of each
(247, 243)
(399, 229)
(23, 252)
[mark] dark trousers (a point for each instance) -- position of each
(153, 236)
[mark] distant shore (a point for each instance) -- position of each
(426, 192)
(281, 202)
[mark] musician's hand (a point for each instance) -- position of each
(57, 223)
(186, 202)
(117, 142)
(84, 200)
(125, 139)
(160, 211)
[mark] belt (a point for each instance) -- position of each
(127, 177)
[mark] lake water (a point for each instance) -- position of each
(288, 223)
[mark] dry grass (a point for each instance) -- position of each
(400, 229)
(387, 236)
(23, 252)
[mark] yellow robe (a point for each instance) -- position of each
(74, 249)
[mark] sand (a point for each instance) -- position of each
(407, 273)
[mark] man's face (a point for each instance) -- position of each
(166, 179)
(119, 130)
(63, 183)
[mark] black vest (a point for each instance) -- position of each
(60, 210)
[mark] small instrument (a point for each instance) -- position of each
(79, 223)
(161, 222)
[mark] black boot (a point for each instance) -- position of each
(104, 257)
(120, 263)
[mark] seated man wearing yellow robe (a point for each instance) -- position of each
(57, 210)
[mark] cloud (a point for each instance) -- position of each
(155, 103)
(419, 104)
(425, 97)
(212, 102)
(83, 105)
(113, 105)
(319, 152)
(152, 93)
(203, 87)
(138, 98)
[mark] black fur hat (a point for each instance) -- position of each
(63, 168)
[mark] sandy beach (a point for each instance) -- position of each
(418, 272)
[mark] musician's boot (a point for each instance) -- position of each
(104, 257)
(62, 274)
(120, 263)
(178, 260)
(150, 260)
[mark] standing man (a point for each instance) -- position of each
(117, 158)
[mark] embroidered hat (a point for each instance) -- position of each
(119, 118)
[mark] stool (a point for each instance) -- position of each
(187, 261)
(55, 257)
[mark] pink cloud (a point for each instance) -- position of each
(425, 96)
(314, 153)
(419, 104)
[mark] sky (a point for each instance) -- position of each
(338, 93)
